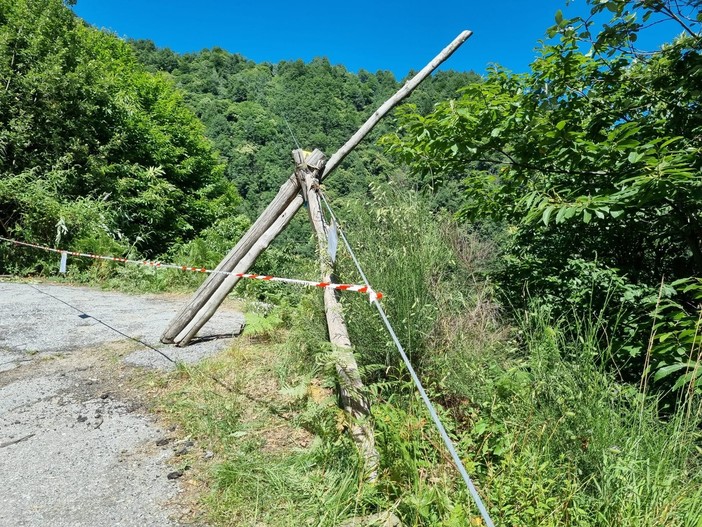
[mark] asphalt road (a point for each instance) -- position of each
(76, 447)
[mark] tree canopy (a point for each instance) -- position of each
(255, 113)
(589, 166)
(92, 146)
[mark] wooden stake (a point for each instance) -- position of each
(351, 389)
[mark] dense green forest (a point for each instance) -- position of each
(103, 145)
(96, 151)
(590, 167)
(538, 237)
(256, 114)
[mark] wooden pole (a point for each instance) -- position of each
(351, 389)
(208, 306)
(280, 202)
(215, 300)
(285, 196)
(388, 105)
(193, 312)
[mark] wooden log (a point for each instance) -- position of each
(315, 162)
(214, 281)
(280, 202)
(388, 105)
(351, 389)
(288, 191)
(215, 300)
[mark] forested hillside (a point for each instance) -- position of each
(256, 113)
(102, 147)
(95, 151)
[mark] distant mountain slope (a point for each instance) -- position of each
(245, 106)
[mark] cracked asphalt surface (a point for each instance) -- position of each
(77, 448)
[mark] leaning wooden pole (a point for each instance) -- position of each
(280, 202)
(194, 309)
(351, 390)
(215, 300)
(388, 105)
(316, 162)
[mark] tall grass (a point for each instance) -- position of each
(407, 253)
(623, 465)
(551, 434)
(279, 456)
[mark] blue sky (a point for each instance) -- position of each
(373, 35)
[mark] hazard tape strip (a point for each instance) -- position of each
(364, 289)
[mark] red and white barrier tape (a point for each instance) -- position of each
(158, 265)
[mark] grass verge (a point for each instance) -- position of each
(271, 448)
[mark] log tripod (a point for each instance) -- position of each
(292, 194)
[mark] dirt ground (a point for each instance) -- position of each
(77, 445)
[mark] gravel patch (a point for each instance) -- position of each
(79, 463)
